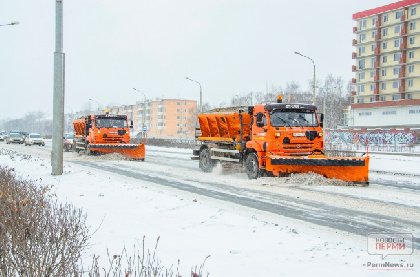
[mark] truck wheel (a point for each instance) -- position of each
(206, 163)
(252, 166)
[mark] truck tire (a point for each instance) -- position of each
(252, 167)
(206, 163)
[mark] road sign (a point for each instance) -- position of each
(144, 128)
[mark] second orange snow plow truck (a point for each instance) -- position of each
(273, 140)
(105, 133)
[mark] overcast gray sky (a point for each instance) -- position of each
(230, 47)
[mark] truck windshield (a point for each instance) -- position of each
(296, 118)
(111, 123)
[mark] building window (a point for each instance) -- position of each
(397, 57)
(383, 72)
(374, 34)
(362, 37)
(409, 96)
(384, 45)
(395, 84)
(385, 18)
(374, 20)
(396, 70)
(382, 98)
(389, 112)
(373, 47)
(362, 64)
(398, 14)
(365, 113)
(178, 103)
(361, 50)
(397, 42)
(383, 86)
(411, 68)
(361, 76)
(360, 100)
(397, 29)
(413, 11)
(372, 73)
(372, 87)
(371, 99)
(411, 40)
(384, 32)
(412, 25)
(360, 88)
(411, 54)
(362, 24)
(410, 83)
(396, 97)
(413, 111)
(384, 59)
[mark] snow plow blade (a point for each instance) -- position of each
(133, 151)
(349, 169)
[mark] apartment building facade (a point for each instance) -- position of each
(387, 67)
(163, 118)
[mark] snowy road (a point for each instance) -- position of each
(390, 204)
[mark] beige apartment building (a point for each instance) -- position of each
(387, 67)
(164, 118)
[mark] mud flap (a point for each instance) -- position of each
(347, 169)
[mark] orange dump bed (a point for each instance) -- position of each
(224, 126)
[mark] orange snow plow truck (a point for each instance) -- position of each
(105, 133)
(273, 140)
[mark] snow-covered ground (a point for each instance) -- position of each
(241, 241)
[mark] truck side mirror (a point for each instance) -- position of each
(260, 119)
(321, 120)
(131, 124)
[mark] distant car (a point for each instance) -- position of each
(68, 142)
(14, 138)
(3, 135)
(34, 138)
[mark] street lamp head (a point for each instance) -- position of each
(297, 53)
(14, 23)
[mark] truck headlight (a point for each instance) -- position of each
(320, 134)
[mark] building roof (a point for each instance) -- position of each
(386, 8)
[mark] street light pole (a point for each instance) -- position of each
(201, 94)
(58, 94)
(95, 102)
(144, 112)
(11, 23)
(297, 53)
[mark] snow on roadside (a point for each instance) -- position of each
(241, 242)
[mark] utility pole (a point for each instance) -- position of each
(58, 97)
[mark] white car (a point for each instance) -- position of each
(3, 135)
(34, 138)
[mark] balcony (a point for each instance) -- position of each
(354, 42)
(376, 78)
(377, 51)
(354, 29)
(353, 80)
(353, 68)
(353, 55)
(401, 74)
(378, 22)
(376, 91)
(404, 31)
(403, 17)
(353, 93)
(376, 64)
(403, 45)
(378, 36)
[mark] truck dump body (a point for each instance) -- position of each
(277, 138)
(106, 134)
